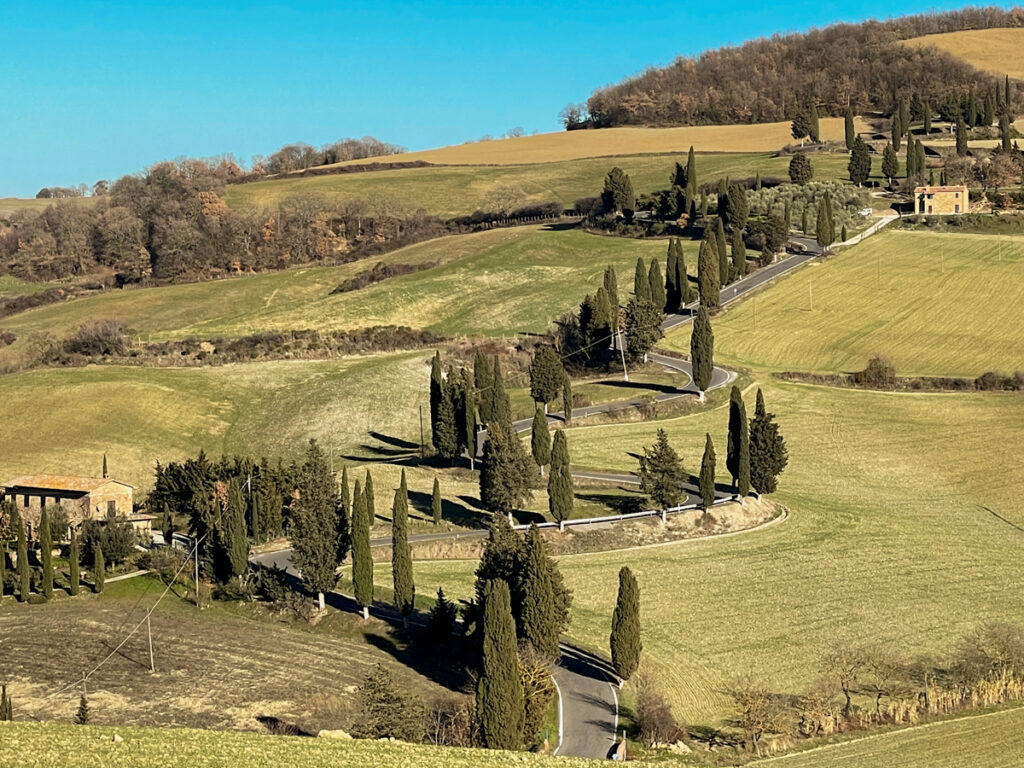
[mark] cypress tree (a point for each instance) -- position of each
(657, 284)
(234, 524)
(567, 399)
(707, 474)
(500, 706)
(800, 169)
(805, 222)
(672, 291)
(546, 374)
(927, 118)
(82, 715)
(611, 287)
(768, 454)
(501, 409)
(436, 395)
(722, 245)
(1004, 132)
(739, 253)
(707, 272)
(544, 600)
(813, 124)
(435, 502)
(442, 618)
(446, 434)
(105, 474)
(24, 580)
(540, 439)
(843, 237)
(560, 490)
(912, 169)
(608, 323)
(702, 351)
(625, 636)
(691, 169)
(74, 577)
(860, 162)
(468, 424)
(851, 132)
(891, 163)
(643, 328)
(343, 518)
(46, 552)
(506, 471)
(738, 451)
(483, 378)
(973, 113)
(371, 503)
(825, 227)
(313, 523)
(641, 281)
(99, 569)
(362, 555)
(401, 556)
(989, 110)
(3, 570)
(961, 137)
(1006, 92)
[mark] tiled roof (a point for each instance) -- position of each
(61, 482)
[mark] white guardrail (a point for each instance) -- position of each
(662, 513)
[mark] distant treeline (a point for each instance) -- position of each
(864, 66)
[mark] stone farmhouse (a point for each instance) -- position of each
(941, 200)
(83, 498)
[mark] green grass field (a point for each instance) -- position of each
(992, 740)
(42, 745)
(502, 282)
(889, 540)
(936, 304)
(456, 190)
(12, 286)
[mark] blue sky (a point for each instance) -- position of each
(96, 90)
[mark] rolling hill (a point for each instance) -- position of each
(999, 51)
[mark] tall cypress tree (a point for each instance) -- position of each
(682, 279)
(672, 291)
(362, 554)
(724, 268)
(851, 132)
(500, 706)
(546, 374)
(501, 408)
(860, 162)
(1004, 132)
(468, 421)
(436, 394)
(314, 533)
(435, 502)
(625, 640)
(768, 453)
(99, 569)
(926, 118)
(657, 285)
(961, 137)
(483, 378)
(543, 599)
(540, 439)
(46, 552)
(707, 474)
(691, 173)
(739, 253)
(560, 490)
(74, 576)
(343, 518)
(371, 503)
(824, 231)
(702, 351)
(641, 282)
(738, 451)
(813, 124)
(3, 570)
(611, 287)
(505, 471)
(446, 432)
(891, 163)
(707, 272)
(24, 577)
(567, 399)
(401, 556)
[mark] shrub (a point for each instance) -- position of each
(654, 718)
(879, 373)
(116, 537)
(99, 338)
(387, 712)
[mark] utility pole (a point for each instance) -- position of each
(149, 631)
(622, 354)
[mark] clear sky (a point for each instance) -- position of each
(95, 90)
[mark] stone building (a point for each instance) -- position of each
(941, 200)
(82, 498)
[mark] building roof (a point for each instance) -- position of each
(960, 188)
(61, 482)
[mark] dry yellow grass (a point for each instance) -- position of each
(574, 145)
(993, 50)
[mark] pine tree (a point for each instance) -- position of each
(625, 640)
(567, 399)
(860, 162)
(483, 378)
(961, 138)
(661, 473)
(890, 163)
(540, 439)
(99, 569)
(313, 523)
(74, 576)
(672, 291)
(739, 253)
(657, 286)
(768, 454)
(401, 556)
(500, 706)
(641, 281)
(851, 132)
(506, 471)
(436, 395)
(707, 474)
(546, 374)
(707, 272)
(560, 490)
(362, 554)
(544, 600)
(611, 287)
(501, 408)
(702, 351)
(82, 715)
(24, 576)
(343, 517)
(435, 502)
(46, 552)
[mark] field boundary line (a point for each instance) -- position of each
(893, 732)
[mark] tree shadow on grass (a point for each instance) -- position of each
(397, 442)
(526, 517)
(457, 514)
(667, 389)
(440, 665)
(617, 503)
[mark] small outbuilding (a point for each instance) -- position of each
(83, 498)
(941, 200)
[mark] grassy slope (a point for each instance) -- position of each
(499, 282)
(993, 740)
(888, 541)
(32, 745)
(449, 191)
(937, 304)
(575, 145)
(992, 50)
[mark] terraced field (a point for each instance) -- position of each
(936, 304)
